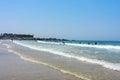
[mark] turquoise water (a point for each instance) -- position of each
(104, 53)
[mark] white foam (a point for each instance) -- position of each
(95, 46)
(7, 45)
(114, 66)
(85, 45)
(48, 42)
(52, 66)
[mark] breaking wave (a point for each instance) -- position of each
(51, 66)
(84, 45)
(113, 66)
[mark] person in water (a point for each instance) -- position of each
(63, 43)
(88, 43)
(95, 43)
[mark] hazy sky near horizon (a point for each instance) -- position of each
(70, 19)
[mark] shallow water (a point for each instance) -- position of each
(77, 61)
(105, 55)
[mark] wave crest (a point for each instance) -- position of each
(84, 45)
(113, 66)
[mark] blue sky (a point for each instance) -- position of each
(70, 19)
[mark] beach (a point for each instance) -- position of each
(12, 67)
(60, 40)
(30, 60)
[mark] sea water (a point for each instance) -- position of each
(67, 57)
(104, 53)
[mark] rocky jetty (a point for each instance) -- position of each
(12, 36)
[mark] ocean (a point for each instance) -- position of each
(88, 60)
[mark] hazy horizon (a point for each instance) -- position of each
(69, 19)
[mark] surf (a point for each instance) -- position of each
(84, 45)
(113, 66)
(51, 66)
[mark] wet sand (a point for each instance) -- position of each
(12, 67)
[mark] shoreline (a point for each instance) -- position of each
(66, 66)
(14, 68)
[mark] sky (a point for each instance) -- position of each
(69, 19)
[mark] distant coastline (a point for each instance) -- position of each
(12, 36)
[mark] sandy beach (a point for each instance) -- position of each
(12, 67)
(22, 63)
